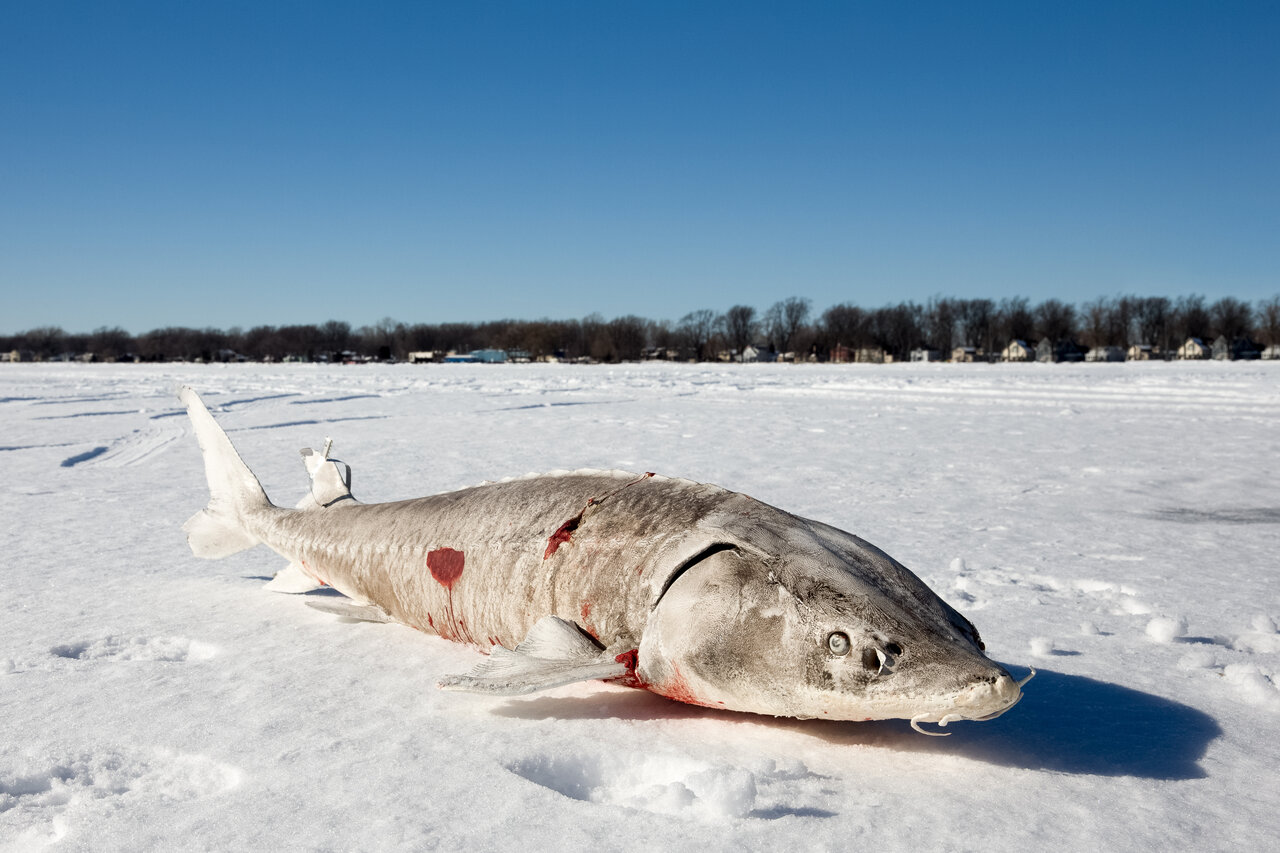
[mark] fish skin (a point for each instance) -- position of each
(613, 565)
(720, 599)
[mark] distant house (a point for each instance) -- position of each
(423, 357)
(519, 356)
(489, 356)
(871, 355)
(1050, 352)
(1108, 353)
(1241, 349)
(1272, 353)
(459, 358)
(1140, 352)
(964, 354)
(841, 354)
(1194, 349)
(1017, 351)
(926, 355)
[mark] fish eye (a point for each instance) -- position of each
(893, 649)
(838, 642)
(870, 660)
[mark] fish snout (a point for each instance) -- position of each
(989, 697)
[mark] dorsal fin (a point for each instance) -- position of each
(330, 479)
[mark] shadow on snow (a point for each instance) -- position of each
(1064, 723)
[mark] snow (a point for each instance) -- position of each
(1116, 526)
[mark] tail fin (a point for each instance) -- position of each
(219, 529)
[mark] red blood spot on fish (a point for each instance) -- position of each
(431, 622)
(678, 689)
(585, 610)
(446, 565)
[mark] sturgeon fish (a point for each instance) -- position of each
(691, 591)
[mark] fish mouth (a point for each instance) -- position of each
(995, 714)
(1004, 689)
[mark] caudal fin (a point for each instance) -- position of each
(221, 529)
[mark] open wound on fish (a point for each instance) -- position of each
(555, 653)
(564, 533)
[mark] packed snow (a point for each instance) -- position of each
(1115, 526)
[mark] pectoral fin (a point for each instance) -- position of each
(555, 653)
(350, 610)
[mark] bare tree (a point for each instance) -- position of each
(940, 324)
(784, 319)
(696, 328)
(976, 318)
(1151, 321)
(846, 324)
(896, 328)
(1190, 318)
(1056, 321)
(1269, 320)
(627, 335)
(109, 344)
(1231, 318)
(740, 327)
(1014, 320)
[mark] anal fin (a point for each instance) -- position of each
(293, 579)
(556, 652)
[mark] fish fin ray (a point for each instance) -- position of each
(220, 529)
(330, 479)
(555, 652)
(351, 610)
(292, 579)
(553, 638)
(211, 534)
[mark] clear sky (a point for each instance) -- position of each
(223, 164)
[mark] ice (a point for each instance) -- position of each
(153, 701)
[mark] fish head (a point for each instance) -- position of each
(840, 633)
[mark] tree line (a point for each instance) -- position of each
(788, 327)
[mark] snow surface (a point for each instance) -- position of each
(1116, 526)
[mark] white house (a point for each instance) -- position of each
(1194, 348)
(1018, 351)
(1140, 352)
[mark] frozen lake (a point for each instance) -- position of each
(1115, 526)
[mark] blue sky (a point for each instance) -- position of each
(236, 164)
